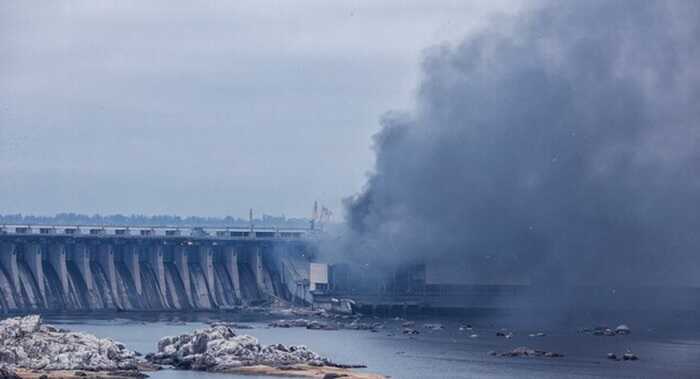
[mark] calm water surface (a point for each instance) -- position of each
(448, 353)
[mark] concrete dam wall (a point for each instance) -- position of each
(64, 274)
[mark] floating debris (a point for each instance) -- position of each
(524, 351)
(628, 356)
(303, 323)
(504, 333)
(621, 330)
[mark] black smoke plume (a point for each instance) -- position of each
(559, 146)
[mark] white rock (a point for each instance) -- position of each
(218, 348)
(26, 342)
(623, 329)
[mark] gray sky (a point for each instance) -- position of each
(205, 108)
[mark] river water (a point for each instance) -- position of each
(447, 353)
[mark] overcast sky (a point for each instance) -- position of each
(205, 108)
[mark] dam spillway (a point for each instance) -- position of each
(68, 269)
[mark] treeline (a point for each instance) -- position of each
(154, 220)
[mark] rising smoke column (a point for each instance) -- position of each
(559, 146)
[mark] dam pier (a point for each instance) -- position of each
(64, 268)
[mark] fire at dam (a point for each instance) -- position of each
(59, 269)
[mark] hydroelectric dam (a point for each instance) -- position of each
(68, 268)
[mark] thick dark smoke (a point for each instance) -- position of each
(559, 146)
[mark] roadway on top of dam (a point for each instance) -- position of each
(163, 233)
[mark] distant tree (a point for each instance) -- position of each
(70, 218)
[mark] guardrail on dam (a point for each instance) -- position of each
(144, 268)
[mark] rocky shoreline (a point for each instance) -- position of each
(31, 349)
(219, 349)
(21, 373)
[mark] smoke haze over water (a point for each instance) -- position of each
(559, 146)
